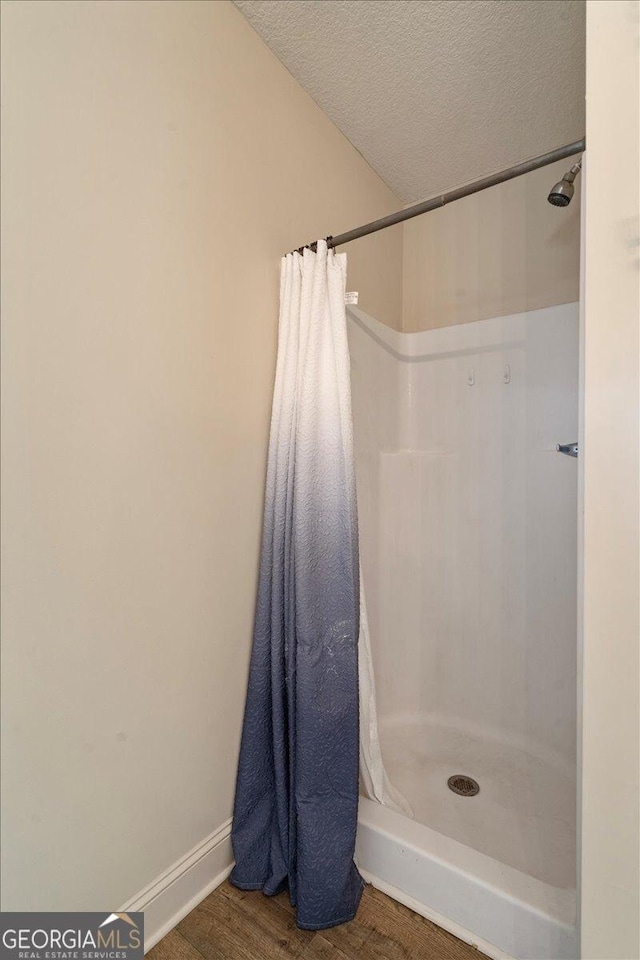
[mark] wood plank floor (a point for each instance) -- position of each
(232, 924)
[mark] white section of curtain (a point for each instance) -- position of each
(372, 770)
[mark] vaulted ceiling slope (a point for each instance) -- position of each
(435, 93)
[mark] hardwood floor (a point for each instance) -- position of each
(232, 924)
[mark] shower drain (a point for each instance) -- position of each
(463, 786)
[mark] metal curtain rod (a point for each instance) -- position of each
(560, 153)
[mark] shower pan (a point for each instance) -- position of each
(468, 527)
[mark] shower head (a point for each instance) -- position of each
(561, 193)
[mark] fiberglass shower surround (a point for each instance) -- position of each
(468, 542)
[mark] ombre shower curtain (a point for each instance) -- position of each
(296, 800)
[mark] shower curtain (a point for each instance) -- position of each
(296, 797)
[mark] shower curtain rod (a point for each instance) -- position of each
(425, 206)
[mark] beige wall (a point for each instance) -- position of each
(610, 914)
(157, 161)
(498, 252)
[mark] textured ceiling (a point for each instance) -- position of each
(435, 93)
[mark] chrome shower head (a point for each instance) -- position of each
(562, 192)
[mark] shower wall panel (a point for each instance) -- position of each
(468, 523)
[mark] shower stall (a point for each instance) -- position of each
(468, 527)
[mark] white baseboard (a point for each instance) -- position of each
(172, 895)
